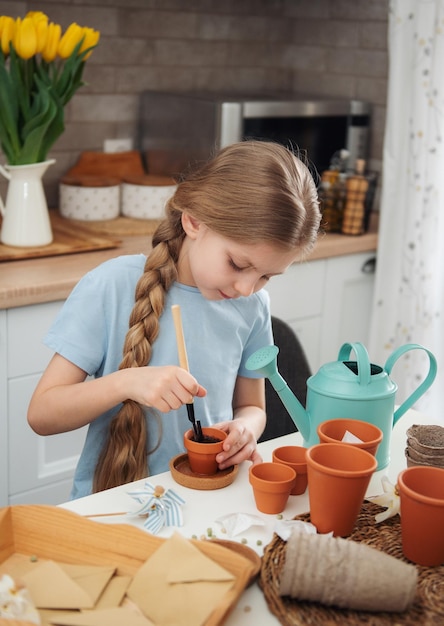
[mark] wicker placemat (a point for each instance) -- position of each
(427, 609)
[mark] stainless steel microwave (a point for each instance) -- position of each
(179, 129)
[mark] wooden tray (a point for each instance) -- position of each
(52, 533)
(247, 552)
(69, 237)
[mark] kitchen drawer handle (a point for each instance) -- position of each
(369, 267)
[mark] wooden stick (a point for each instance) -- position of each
(177, 318)
(105, 514)
(183, 362)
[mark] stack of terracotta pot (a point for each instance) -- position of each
(425, 445)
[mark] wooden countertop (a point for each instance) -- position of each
(47, 279)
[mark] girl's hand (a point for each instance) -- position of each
(240, 445)
(164, 388)
(64, 401)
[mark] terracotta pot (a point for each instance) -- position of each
(421, 490)
(294, 457)
(272, 484)
(202, 456)
(333, 431)
(338, 477)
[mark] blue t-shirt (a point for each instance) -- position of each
(220, 335)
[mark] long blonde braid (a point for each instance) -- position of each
(124, 457)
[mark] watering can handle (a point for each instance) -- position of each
(422, 387)
(364, 370)
(7, 175)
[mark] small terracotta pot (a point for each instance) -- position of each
(272, 483)
(333, 431)
(338, 477)
(421, 490)
(294, 457)
(202, 456)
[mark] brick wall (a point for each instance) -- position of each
(324, 47)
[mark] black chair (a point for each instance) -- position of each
(295, 370)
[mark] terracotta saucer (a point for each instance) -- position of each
(243, 550)
(182, 474)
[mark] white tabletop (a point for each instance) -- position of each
(203, 508)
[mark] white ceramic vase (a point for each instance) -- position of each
(25, 214)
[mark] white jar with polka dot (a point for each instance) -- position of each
(89, 198)
(145, 197)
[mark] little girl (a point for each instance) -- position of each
(242, 218)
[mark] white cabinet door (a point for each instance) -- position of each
(37, 462)
(27, 326)
(297, 297)
(39, 469)
(3, 411)
(308, 332)
(349, 286)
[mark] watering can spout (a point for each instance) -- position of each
(264, 361)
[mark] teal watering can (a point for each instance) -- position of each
(345, 388)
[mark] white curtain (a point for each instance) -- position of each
(409, 289)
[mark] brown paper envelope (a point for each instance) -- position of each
(46, 615)
(189, 569)
(179, 604)
(118, 616)
(114, 592)
(51, 588)
(92, 578)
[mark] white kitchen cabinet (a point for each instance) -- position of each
(297, 297)
(35, 469)
(327, 302)
(4, 452)
(349, 286)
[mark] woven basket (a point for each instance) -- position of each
(427, 609)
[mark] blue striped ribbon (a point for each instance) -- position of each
(162, 510)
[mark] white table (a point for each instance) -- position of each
(202, 508)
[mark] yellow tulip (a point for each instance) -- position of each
(25, 38)
(41, 25)
(37, 80)
(37, 16)
(49, 51)
(90, 38)
(7, 27)
(69, 40)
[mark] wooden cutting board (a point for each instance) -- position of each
(121, 226)
(69, 238)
